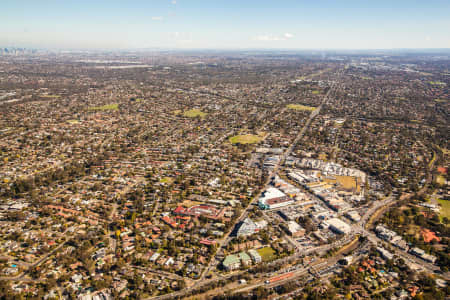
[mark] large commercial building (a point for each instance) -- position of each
(338, 226)
(249, 227)
(294, 229)
(245, 258)
(274, 198)
(255, 256)
(353, 215)
(231, 262)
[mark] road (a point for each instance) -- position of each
(226, 238)
(358, 228)
(112, 240)
(300, 271)
(378, 208)
(160, 273)
(313, 269)
(409, 258)
(21, 277)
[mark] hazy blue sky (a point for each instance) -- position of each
(348, 24)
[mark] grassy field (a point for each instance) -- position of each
(267, 253)
(190, 203)
(166, 180)
(315, 92)
(73, 121)
(114, 106)
(245, 139)
(437, 83)
(300, 107)
(445, 208)
(51, 96)
(194, 113)
(440, 179)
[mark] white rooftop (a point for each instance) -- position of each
(339, 224)
(271, 193)
(294, 227)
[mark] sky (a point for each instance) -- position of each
(225, 24)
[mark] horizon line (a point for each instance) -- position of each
(219, 49)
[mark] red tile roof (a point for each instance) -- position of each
(428, 236)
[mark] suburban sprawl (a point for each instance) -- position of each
(224, 175)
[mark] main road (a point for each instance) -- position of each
(226, 238)
(358, 228)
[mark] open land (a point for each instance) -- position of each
(193, 113)
(245, 139)
(113, 106)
